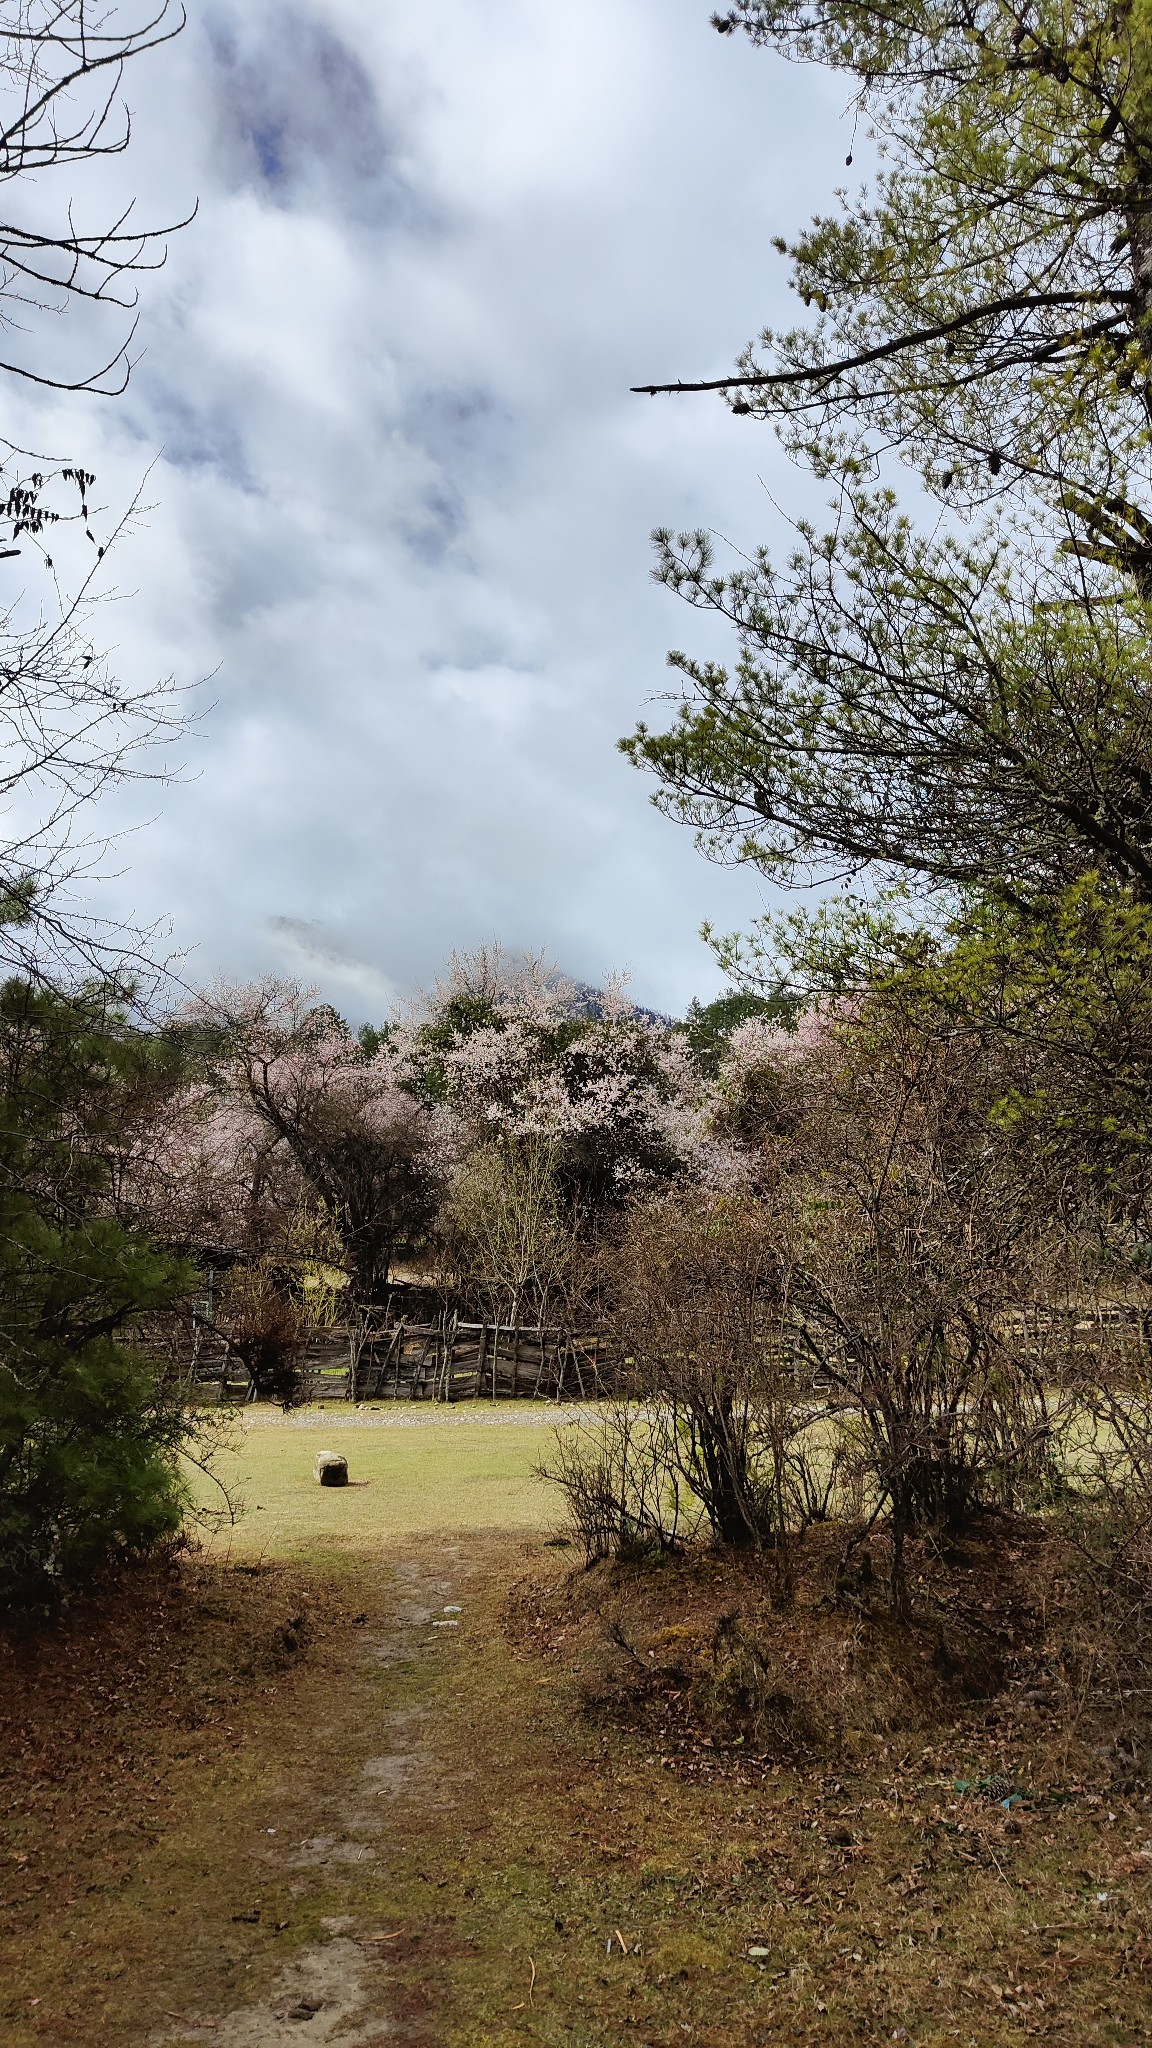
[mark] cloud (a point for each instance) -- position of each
(402, 504)
(311, 956)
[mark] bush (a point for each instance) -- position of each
(265, 1331)
(696, 1286)
(860, 1341)
(87, 1473)
(90, 1418)
(705, 1430)
(622, 1486)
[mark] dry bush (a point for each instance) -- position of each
(624, 1492)
(884, 1337)
(705, 1429)
(915, 1248)
(513, 1248)
(264, 1328)
(696, 1291)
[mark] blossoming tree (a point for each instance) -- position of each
(292, 1111)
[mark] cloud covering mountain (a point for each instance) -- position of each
(400, 493)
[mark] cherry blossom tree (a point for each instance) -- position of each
(510, 1114)
(521, 1053)
(292, 1109)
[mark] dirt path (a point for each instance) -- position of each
(218, 1824)
(339, 1989)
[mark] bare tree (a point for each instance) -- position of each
(68, 728)
(512, 1243)
(698, 1285)
(925, 1263)
(62, 66)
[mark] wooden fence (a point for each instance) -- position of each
(446, 1360)
(450, 1360)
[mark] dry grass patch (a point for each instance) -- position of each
(146, 1739)
(936, 1834)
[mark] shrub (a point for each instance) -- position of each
(265, 1331)
(696, 1286)
(87, 1472)
(704, 1430)
(90, 1417)
(621, 1481)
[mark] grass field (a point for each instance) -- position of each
(408, 1476)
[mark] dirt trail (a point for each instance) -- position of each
(340, 1988)
(250, 1802)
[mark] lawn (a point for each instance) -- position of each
(409, 1474)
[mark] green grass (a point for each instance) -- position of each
(405, 1481)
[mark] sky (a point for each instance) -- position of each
(398, 493)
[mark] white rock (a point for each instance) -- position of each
(331, 1469)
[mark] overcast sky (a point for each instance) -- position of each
(401, 497)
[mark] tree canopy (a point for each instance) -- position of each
(940, 702)
(959, 698)
(986, 306)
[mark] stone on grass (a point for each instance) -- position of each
(331, 1469)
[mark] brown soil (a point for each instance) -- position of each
(706, 1652)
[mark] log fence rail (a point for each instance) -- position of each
(447, 1360)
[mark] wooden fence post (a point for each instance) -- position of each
(352, 1362)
